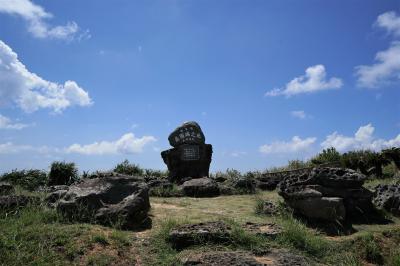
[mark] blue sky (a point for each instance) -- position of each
(96, 82)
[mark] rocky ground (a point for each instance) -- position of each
(248, 229)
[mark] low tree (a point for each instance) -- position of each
(128, 168)
(330, 155)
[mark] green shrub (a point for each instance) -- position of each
(128, 168)
(62, 173)
(369, 248)
(329, 155)
(100, 239)
(155, 173)
(27, 179)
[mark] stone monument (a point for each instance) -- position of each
(190, 157)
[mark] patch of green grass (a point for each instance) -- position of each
(173, 191)
(394, 257)
(120, 238)
(297, 235)
(100, 239)
(100, 260)
(369, 249)
(163, 252)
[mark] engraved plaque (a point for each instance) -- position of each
(190, 153)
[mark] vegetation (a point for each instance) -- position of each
(62, 173)
(128, 168)
(27, 179)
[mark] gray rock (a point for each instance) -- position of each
(330, 209)
(6, 188)
(200, 187)
(191, 234)
(115, 200)
(337, 177)
(187, 133)
(270, 230)
(244, 184)
(388, 197)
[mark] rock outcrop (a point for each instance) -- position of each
(332, 194)
(388, 197)
(114, 200)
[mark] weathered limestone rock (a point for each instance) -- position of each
(388, 197)
(331, 194)
(201, 187)
(119, 199)
(191, 234)
(270, 230)
(190, 157)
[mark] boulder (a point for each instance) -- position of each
(388, 197)
(6, 188)
(187, 133)
(113, 200)
(330, 209)
(328, 193)
(268, 182)
(200, 187)
(191, 234)
(244, 184)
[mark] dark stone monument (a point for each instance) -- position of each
(190, 157)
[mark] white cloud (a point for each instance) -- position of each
(36, 17)
(295, 145)
(11, 148)
(362, 139)
(299, 114)
(313, 80)
(238, 153)
(127, 144)
(386, 69)
(6, 123)
(389, 21)
(30, 92)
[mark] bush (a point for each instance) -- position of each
(128, 168)
(27, 179)
(329, 155)
(62, 173)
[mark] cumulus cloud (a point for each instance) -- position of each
(36, 17)
(6, 123)
(299, 114)
(296, 144)
(386, 68)
(127, 144)
(390, 22)
(314, 80)
(363, 139)
(30, 92)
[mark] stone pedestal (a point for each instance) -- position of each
(188, 160)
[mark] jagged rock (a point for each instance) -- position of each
(269, 208)
(12, 202)
(388, 197)
(331, 194)
(6, 188)
(200, 187)
(277, 257)
(120, 199)
(270, 230)
(53, 197)
(191, 234)
(337, 177)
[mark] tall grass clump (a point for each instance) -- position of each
(62, 173)
(297, 235)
